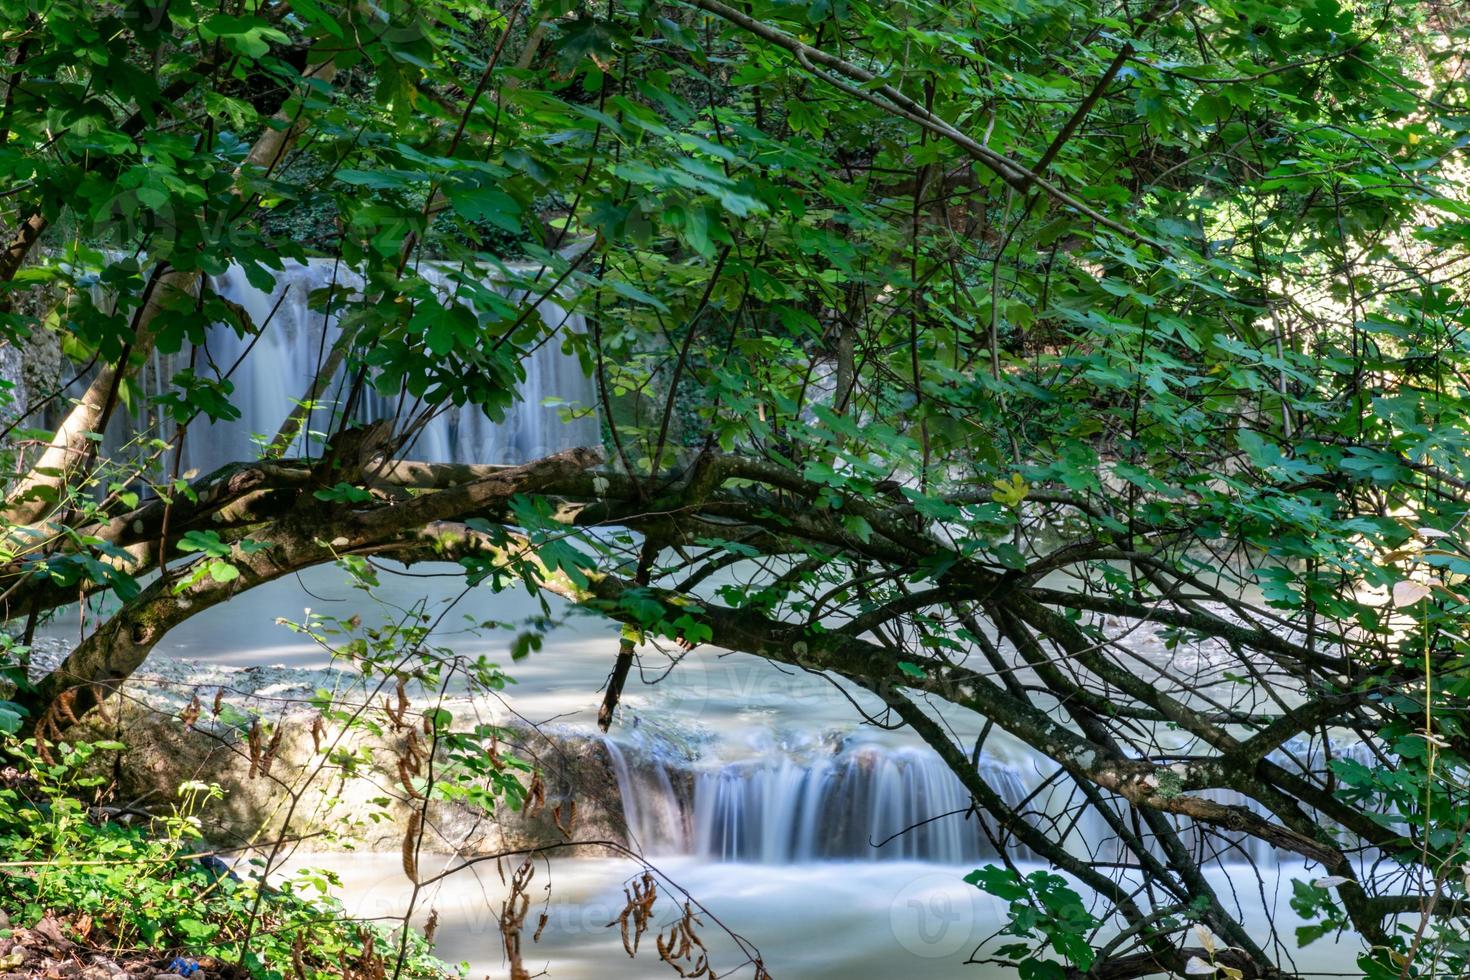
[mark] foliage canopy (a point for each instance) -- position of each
(961, 339)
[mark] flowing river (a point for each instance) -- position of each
(783, 840)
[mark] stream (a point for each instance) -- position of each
(780, 842)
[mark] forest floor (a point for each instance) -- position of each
(57, 948)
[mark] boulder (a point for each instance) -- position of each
(289, 766)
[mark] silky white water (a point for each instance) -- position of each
(783, 838)
(272, 372)
(824, 921)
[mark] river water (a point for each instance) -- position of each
(782, 843)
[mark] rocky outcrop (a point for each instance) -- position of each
(13, 394)
(40, 364)
(336, 771)
(30, 366)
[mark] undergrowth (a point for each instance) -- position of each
(153, 890)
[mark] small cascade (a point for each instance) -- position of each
(869, 803)
(272, 371)
(657, 812)
(864, 803)
(873, 803)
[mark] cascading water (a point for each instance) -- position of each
(275, 368)
(865, 803)
(722, 738)
(870, 802)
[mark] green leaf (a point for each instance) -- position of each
(343, 493)
(524, 644)
(1011, 492)
(638, 296)
(484, 203)
(249, 36)
(208, 542)
(223, 571)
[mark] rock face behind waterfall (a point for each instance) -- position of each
(30, 368)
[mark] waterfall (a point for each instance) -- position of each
(869, 802)
(275, 368)
(862, 803)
